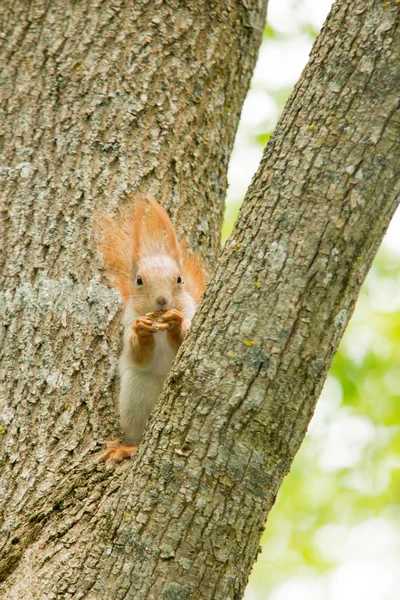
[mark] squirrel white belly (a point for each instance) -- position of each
(161, 284)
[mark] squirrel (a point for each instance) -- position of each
(161, 283)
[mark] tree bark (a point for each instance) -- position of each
(184, 520)
(98, 99)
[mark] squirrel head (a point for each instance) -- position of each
(157, 283)
(146, 261)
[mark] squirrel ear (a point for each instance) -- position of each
(114, 245)
(162, 228)
(194, 271)
(137, 223)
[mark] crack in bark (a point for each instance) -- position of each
(115, 535)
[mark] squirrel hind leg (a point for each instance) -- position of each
(116, 452)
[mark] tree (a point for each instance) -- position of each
(184, 520)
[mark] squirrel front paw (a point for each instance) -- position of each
(173, 318)
(177, 327)
(144, 327)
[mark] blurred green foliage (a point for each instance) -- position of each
(345, 480)
(347, 470)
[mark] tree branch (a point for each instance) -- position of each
(184, 520)
(98, 98)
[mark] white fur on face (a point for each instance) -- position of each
(159, 275)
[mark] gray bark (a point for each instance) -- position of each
(184, 519)
(97, 99)
(242, 392)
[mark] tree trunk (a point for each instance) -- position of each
(184, 520)
(98, 98)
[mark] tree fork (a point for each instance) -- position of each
(243, 389)
(98, 99)
(184, 520)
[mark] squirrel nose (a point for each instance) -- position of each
(161, 300)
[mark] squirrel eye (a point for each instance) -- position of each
(139, 280)
(179, 280)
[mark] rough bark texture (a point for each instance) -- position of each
(241, 394)
(97, 99)
(183, 521)
(102, 97)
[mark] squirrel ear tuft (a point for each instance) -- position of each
(141, 228)
(115, 246)
(136, 224)
(157, 232)
(194, 272)
(121, 243)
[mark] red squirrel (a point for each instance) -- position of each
(161, 283)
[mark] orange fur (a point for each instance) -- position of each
(141, 229)
(194, 273)
(141, 340)
(142, 349)
(134, 215)
(116, 452)
(158, 231)
(116, 241)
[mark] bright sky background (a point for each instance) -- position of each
(369, 551)
(280, 65)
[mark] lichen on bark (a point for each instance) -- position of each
(97, 99)
(184, 519)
